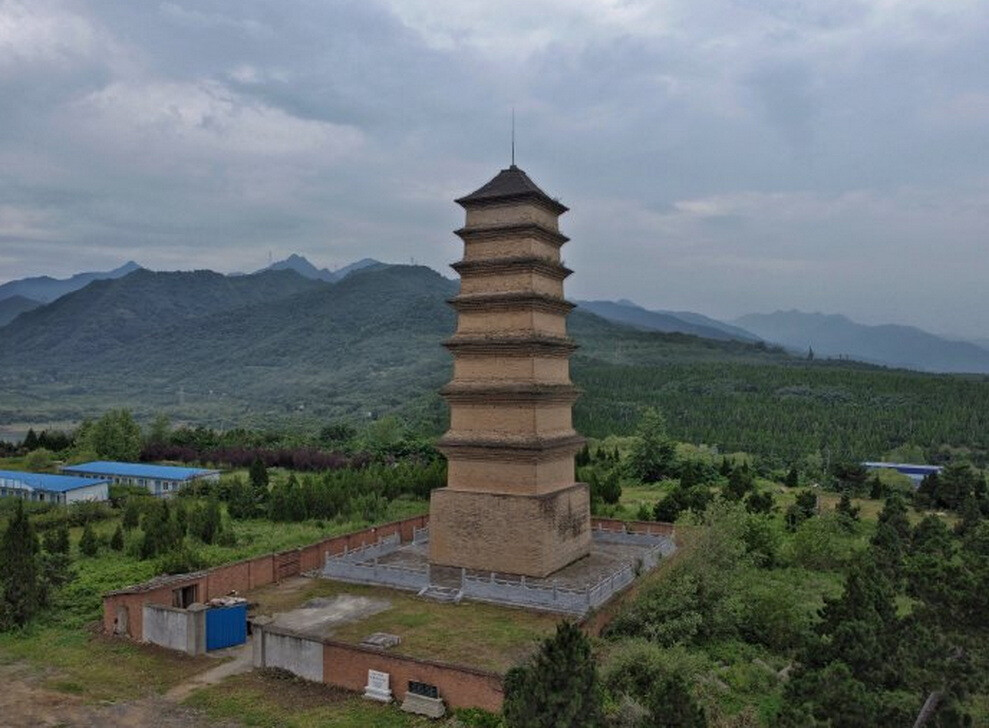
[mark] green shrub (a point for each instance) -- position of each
(822, 544)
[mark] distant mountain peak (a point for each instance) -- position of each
(301, 265)
(46, 289)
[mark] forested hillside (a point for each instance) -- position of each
(275, 349)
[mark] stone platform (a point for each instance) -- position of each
(615, 560)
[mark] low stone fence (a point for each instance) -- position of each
(344, 665)
(577, 601)
(400, 577)
(382, 547)
(178, 629)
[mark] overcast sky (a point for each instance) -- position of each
(721, 156)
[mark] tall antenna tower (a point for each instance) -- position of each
(513, 136)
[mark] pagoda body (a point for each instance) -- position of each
(511, 504)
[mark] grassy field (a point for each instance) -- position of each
(470, 633)
(270, 700)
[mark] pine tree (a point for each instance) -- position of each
(132, 514)
(259, 474)
(89, 544)
(672, 706)
(56, 541)
(30, 440)
(558, 687)
(117, 540)
(792, 478)
(19, 577)
(846, 509)
(653, 454)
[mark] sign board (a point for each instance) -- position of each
(377, 687)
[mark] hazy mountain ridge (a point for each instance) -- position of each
(370, 341)
(111, 312)
(303, 267)
(834, 335)
(46, 289)
(684, 322)
(11, 308)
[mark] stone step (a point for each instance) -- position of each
(437, 593)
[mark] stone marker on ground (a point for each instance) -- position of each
(377, 687)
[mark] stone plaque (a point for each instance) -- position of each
(377, 687)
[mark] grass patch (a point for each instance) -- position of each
(264, 701)
(470, 633)
(98, 668)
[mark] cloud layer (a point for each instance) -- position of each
(725, 157)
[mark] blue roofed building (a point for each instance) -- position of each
(47, 488)
(916, 473)
(160, 480)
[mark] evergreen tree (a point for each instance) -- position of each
(894, 513)
(653, 454)
(56, 541)
(558, 687)
(803, 508)
(848, 512)
(672, 706)
(211, 524)
(740, 482)
(89, 544)
(759, 502)
(132, 514)
(19, 571)
(258, 474)
(610, 487)
(117, 540)
(792, 478)
(30, 440)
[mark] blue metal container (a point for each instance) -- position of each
(226, 626)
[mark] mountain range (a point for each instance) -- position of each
(829, 336)
(304, 268)
(625, 312)
(836, 336)
(275, 349)
(45, 289)
(271, 343)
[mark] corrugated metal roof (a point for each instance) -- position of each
(905, 467)
(137, 470)
(44, 481)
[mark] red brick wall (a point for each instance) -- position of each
(135, 602)
(241, 576)
(262, 571)
(346, 666)
(225, 579)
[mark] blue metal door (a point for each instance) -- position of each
(226, 626)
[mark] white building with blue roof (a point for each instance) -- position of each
(160, 480)
(46, 488)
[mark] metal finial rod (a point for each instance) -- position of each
(513, 136)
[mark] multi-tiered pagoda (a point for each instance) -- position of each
(511, 504)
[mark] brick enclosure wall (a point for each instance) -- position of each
(242, 576)
(346, 666)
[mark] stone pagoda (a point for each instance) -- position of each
(511, 504)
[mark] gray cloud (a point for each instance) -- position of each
(725, 157)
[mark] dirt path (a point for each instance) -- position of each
(25, 702)
(242, 662)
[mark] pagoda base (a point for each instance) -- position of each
(531, 535)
